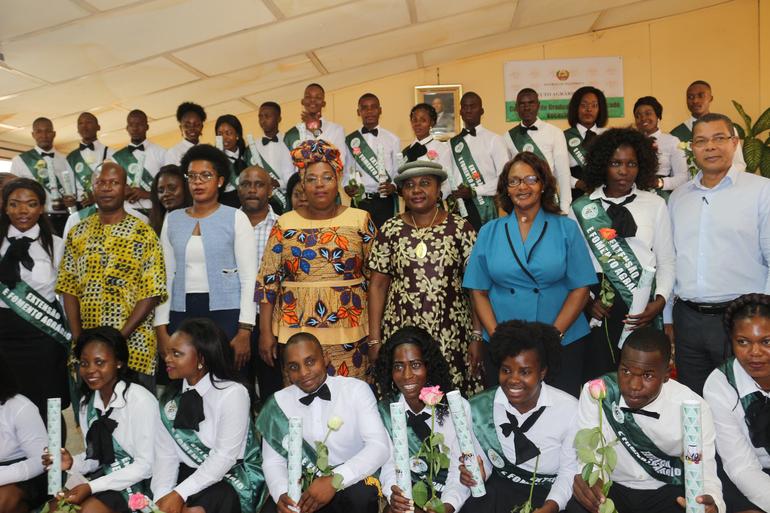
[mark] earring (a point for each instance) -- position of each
(200, 366)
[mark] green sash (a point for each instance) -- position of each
(575, 146)
(419, 467)
(122, 458)
(482, 410)
(245, 477)
(237, 166)
(39, 169)
(127, 161)
(659, 465)
(291, 138)
(523, 142)
(682, 133)
(365, 157)
(278, 194)
(83, 172)
(727, 369)
(472, 177)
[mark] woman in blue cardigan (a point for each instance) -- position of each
(533, 265)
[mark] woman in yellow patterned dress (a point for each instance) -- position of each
(313, 274)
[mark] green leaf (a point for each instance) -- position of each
(586, 455)
(436, 505)
(746, 118)
(420, 493)
(337, 481)
(606, 487)
(764, 163)
(46, 508)
(586, 473)
(443, 460)
(740, 130)
(752, 153)
(583, 437)
(763, 122)
(607, 506)
(596, 437)
(594, 477)
(436, 439)
(611, 458)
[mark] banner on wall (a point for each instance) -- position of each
(556, 79)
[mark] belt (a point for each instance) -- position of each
(374, 195)
(706, 308)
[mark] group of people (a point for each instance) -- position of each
(190, 301)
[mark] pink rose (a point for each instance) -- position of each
(432, 154)
(431, 396)
(313, 125)
(597, 389)
(356, 151)
(138, 501)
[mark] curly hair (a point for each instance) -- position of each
(432, 114)
(314, 151)
(209, 153)
(186, 107)
(603, 148)
(435, 363)
(574, 106)
(512, 337)
(744, 307)
(542, 170)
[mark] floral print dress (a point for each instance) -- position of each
(314, 272)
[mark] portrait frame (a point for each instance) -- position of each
(448, 124)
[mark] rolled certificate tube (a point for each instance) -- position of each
(401, 449)
(463, 431)
(641, 297)
(295, 458)
(137, 178)
(54, 445)
(382, 176)
(255, 160)
(68, 184)
(220, 144)
(460, 202)
(693, 455)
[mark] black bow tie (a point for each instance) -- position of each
(99, 439)
(373, 131)
(190, 413)
(418, 423)
(640, 411)
(590, 134)
(525, 449)
(132, 148)
(468, 131)
(232, 158)
(524, 129)
(758, 421)
(321, 393)
(90, 146)
(16, 255)
(44, 154)
(268, 140)
(622, 221)
(415, 151)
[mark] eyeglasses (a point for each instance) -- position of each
(620, 163)
(529, 180)
(718, 140)
(323, 179)
(204, 177)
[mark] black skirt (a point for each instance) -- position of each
(503, 495)
(113, 500)
(33, 491)
(217, 498)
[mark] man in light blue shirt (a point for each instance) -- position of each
(721, 228)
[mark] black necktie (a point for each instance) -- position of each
(99, 439)
(758, 421)
(132, 148)
(373, 131)
(414, 152)
(590, 134)
(622, 221)
(524, 129)
(525, 449)
(44, 154)
(90, 146)
(418, 423)
(16, 255)
(640, 411)
(321, 393)
(468, 131)
(190, 413)
(268, 140)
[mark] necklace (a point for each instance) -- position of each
(422, 249)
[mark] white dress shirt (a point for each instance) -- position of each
(721, 237)
(224, 431)
(196, 275)
(138, 420)
(99, 154)
(22, 435)
(653, 244)
(550, 139)
(175, 153)
(331, 132)
(444, 157)
(154, 157)
(665, 432)
(582, 130)
(553, 434)
(742, 461)
(454, 492)
(42, 276)
(490, 155)
(278, 157)
(360, 446)
(672, 162)
(59, 164)
(385, 141)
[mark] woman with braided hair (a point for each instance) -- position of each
(314, 272)
(738, 393)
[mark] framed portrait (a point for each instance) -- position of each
(446, 100)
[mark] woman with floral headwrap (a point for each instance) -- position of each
(314, 272)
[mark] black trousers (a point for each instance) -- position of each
(269, 379)
(503, 495)
(380, 209)
(358, 498)
(629, 500)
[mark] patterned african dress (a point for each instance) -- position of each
(314, 273)
(427, 292)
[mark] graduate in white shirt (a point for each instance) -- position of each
(642, 409)
(206, 451)
(141, 159)
(372, 160)
(672, 162)
(119, 420)
(89, 155)
(544, 140)
(587, 117)
(356, 449)
(621, 167)
(478, 156)
(738, 393)
(274, 156)
(23, 484)
(230, 129)
(422, 118)
(191, 117)
(409, 361)
(313, 125)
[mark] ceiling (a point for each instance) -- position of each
(63, 57)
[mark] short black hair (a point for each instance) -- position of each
(471, 94)
(603, 147)
(304, 336)
(700, 82)
(46, 229)
(652, 102)
(526, 90)
(512, 337)
(41, 119)
(209, 153)
(543, 172)
(136, 112)
(186, 107)
(432, 114)
(649, 340)
(271, 105)
(315, 84)
(366, 96)
(574, 106)
(712, 117)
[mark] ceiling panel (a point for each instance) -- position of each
(106, 5)
(291, 8)
(433, 9)
(24, 16)
(13, 82)
(537, 12)
(641, 11)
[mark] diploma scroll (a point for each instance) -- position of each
(68, 184)
(463, 431)
(295, 458)
(692, 440)
(401, 449)
(54, 445)
(641, 296)
(382, 176)
(255, 158)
